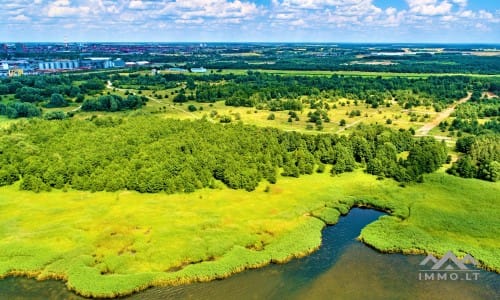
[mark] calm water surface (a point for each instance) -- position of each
(342, 268)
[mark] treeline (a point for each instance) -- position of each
(136, 80)
(262, 88)
(444, 63)
(150, 154)
(481, 157)
(114, 103)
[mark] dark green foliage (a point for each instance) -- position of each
(55, 115)
(80, 98)
(93, 85)
(225, 119)
(180, 98)
(33, 183)
(56, 100)
(277, 92)
(151, 155)
(29, 94)
(15, 110)
(355, 113)
(190, 84)
(8, 174)
(343, 160)
(192, 108)
(113, 103)
(481, 158)
(464, 144)
(426, 156)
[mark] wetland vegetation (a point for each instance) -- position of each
(119, 180)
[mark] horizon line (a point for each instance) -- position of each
(259, 42)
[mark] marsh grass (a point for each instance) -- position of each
(111, 244)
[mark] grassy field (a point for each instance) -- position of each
(109, 244)
(248, 115)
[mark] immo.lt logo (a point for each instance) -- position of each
(449, 267)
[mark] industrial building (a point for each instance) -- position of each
(59, 65)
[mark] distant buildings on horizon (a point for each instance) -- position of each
(11, 68)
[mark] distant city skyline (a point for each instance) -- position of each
(371, 21)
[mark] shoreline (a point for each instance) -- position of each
(296, 234)
(187, 281)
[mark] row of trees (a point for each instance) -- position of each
(114, 103)
(150, 154)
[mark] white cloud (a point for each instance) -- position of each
(62, 8)
(66, 11)
(136, 4)
(234, 18)
(210, 8)
(482, 27)
(20, 18)
(429, 7)
(484, 15)
(324, 13)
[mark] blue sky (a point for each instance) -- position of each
(443, 21)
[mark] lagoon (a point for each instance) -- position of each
(343, 268)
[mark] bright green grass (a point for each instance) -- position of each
(447, 213)
(109, 244)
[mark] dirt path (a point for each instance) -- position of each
(424, 130)
(348, 126)
(76, 109)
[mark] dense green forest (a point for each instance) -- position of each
(149, 154)
(29, 96)
(480, 159)
(423, 63)
(279, 92)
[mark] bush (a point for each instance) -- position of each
(55, 115)
(57, 100)
(225, 119)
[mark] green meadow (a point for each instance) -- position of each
(109, 244)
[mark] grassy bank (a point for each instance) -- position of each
(453, 214)
(110, 244)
